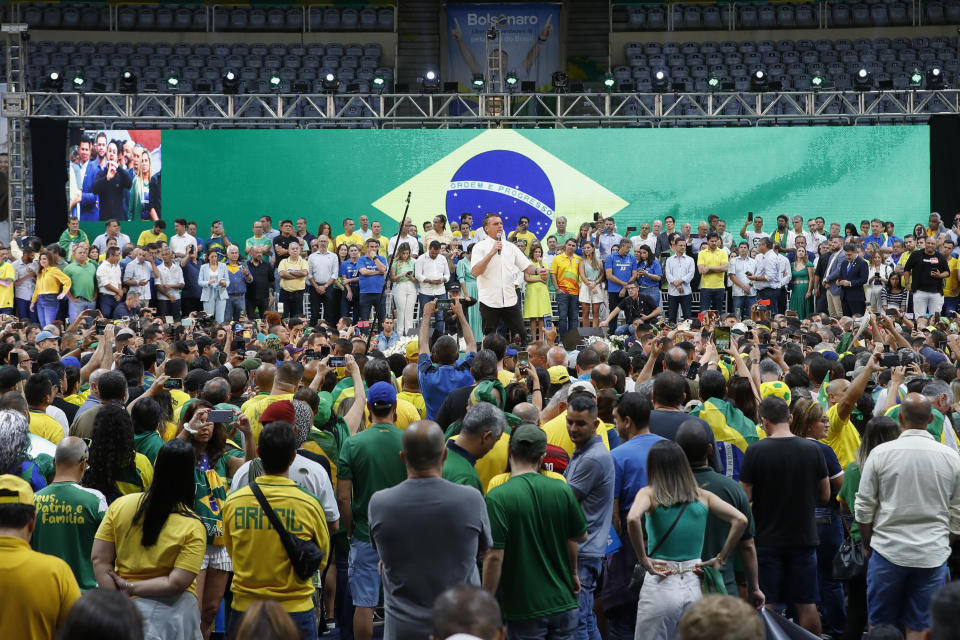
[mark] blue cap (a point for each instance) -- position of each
(45, 335)
(71, 361)
(830, 355)
(382, 393)
(511, 352)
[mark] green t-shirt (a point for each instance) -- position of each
(264, 242)
(848, 493)
(371, 461)
(730, 491)
(458, 469)
(532, 518)
(148, 443)
(562, 239)
(68, 516)
(84, 279)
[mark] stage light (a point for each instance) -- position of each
(660, 80)
(511, 79)
(935, 79)
(916, 78)
(758, 80)
(478, 81)
(330, 83)
(430, 82)
(713, 82)
(492, 34)
(862, 80)
(275, 82)
(173, 82)
(79, 82)
(128, 82)
(53, 81)
(559, 81)
(231, 83)
(609, 81)
(379, 81)
(816, 81)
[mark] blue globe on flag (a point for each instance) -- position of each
(503, 182)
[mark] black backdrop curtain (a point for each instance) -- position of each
(944, 167)
(48, 148)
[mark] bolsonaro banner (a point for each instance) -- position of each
(524, 38)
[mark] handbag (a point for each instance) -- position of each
(639, 573)
(306, 556)
(849, 563)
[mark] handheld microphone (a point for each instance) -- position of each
(500, 238)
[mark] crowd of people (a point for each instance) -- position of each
(162, 464)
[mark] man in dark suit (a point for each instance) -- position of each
(853, 275)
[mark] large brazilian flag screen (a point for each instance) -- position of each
(845, 174)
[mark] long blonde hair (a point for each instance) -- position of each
(592, 261)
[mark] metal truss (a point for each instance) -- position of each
(471, 110)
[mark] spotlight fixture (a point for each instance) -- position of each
(935, 79)
(275, 82)
(330, 82)
(379, 81)
(231, 82)
(53, 81)
(713, 82)
(862, 80)
(660, 80)
(758, 80)
(609, 81)
(173, 82)
(79, 82)
(916, 78)
(478, 81)
(560, 81)
(128, 82)
(430, 82)
(492, 34)
(511, 79)
(816, 81)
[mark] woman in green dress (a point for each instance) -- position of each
(468, 291)
(802, 272)
(536, 298)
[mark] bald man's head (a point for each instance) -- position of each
(527, 412)
(467, 609)
(264, 375)
(71, 451)
(836, 389)
(423, 445)
(915, 412)
(557, 355)
(410, 379)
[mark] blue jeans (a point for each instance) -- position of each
(675, 302)
(350, 309)
(901, 595)
(342, 602)
(773, 295)
(588, 570)
(370, 301)
(613, 299)
(568, 310)
(306, 622)
(23, 310)
(234, 307)
(556, 626)
(107, 304)
(422, 300)
(830, 532)
(949, 304)
(742, 305)
(713, 299)
(215, 308)
(47, 307)
(74, 309)
(653, 293)
(622, 622)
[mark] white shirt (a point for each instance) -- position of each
(786, 269)
(100, 242)
(650, 242)
(24, 290)
(308, 475)
(739, 268)
(169, 275)
(109, 274)
(322, 267)
(495, 284)
(910, 493)
(427, 268)
(754, 238)
(679, 268)
(411, 241)
(138, 271)
(57, 414)
(365, 234)
(814, 240)
(768, 266)
(179, 244)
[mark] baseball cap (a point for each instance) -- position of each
(775, 388)
(413, 349)
(71, 361)
(15, 490)
(382, 393)
(11, 375)
(739, 327)
(281, 410)
(529, 437)
(558, 374)
(251, 363)
(583, 386)
(125, 333)
(46, 335)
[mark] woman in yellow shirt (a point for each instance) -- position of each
(151, 545)
(52, 287)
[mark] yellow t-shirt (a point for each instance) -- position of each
(39, 591)
(297, 284)
(407, 412)
(261, 568)
(416, 400)
(498, 480)
(709, 258)
(842, 437)
(567, 272)
(254, 408)
(343, 238)
(77, 398)
(181, 544)
(495, 461)
(557, 435)
(527, 237)
(6, 293)
(148, 236)
(178, 399)
(459, 234)
(950, 286)
(46, 427)
(505, 377)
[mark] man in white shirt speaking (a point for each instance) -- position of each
(496, 265)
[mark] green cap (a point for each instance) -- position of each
(530, 437)
(251, 363)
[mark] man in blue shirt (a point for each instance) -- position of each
(372, 268)
(632, 417)
(608, 240)
(621, 268)
(878, 236)
(439, 371)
